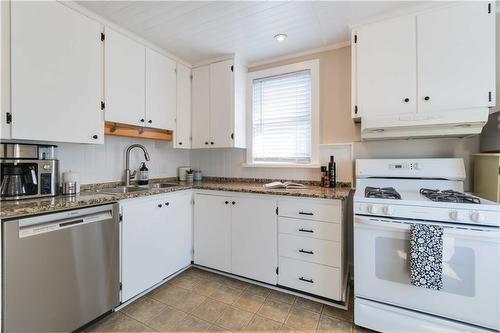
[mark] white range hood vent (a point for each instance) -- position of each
(457, 123)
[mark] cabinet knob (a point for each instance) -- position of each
(150, 121)
(212, 143)
(94, 136)
(167, 203)
(180, 143)
(427, 98)
(142, 120)
(226, 202)
(206, 142)
(233, 202)
(160, 205)
(406, 100)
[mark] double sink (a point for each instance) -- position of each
(137, 188)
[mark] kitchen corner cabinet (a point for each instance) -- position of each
(218, 105)
(124, 77)
(182, 133)
(56, 74)
(226, 235)
(156, 240)
(140, 84)
(416, 64)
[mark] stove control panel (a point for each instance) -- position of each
(404, 166)
(438, 214)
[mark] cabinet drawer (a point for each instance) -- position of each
(312, 278)
(310, 210)
(308, 228)
(309, 249)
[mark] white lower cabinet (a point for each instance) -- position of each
(212, 231)
(236, 235)
(254, 251)
(311, 242)
(155, 240)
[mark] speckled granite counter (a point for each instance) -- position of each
(90, 196)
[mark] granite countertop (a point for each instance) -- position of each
(89, 195)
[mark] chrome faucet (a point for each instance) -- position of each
(129, 176)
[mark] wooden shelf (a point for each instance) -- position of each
(118, 129)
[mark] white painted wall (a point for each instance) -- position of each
(106, 163)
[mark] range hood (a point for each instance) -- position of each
(456, 123)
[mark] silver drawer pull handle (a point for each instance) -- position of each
(306, 280)
(306, 213)
(306, 251)
(306, 230)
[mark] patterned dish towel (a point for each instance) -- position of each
(426, 256)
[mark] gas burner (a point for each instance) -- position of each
(381, 193)
(448, 196)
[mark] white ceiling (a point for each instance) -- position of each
(203, 30)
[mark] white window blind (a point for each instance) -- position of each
(282, 115)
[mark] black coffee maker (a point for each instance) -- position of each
(27, 171)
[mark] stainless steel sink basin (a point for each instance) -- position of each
(122, 189)
(161, 185)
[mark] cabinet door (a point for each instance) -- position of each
(179, 238)
(386, 67)
(456, 57)
(254, 239)
(56, 67)
(183, 122)
(144, 245)
(161, 91)
(221, 103)
(212, 231)
(124, 75)
(201, 107)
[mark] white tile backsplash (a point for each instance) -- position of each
(106, 163)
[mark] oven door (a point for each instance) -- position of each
(471, 271)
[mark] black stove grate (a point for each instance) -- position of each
(382, 193)
(448, 196)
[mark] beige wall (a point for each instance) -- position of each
(335, 94)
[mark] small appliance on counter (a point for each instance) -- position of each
(70, 183)
(28, 171)
(181, 172)
(490, 136)
(197, 175)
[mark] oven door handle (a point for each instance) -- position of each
(490, 234)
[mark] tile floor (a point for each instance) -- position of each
(201, 301)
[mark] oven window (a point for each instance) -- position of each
(459, 265)
(19, 179)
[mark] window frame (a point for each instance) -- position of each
(313, 67)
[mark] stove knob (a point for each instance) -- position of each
(372, 209)
(387, 210)
(455, 215)
(477, 217)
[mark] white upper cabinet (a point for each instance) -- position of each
(182, 131)
(426, 74)
(161, 91)
(221, 103)
(124, 78)
(201, 107)
(386, 57)
(218, 96)
(56, 78)
(456, 57)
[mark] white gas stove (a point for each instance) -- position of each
(392, 195)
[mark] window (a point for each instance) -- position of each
(284, 103)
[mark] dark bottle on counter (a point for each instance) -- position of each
(143, 178)
(332, 172)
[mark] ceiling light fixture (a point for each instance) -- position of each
(280, 37)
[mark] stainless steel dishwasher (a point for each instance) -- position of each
(60, 270)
